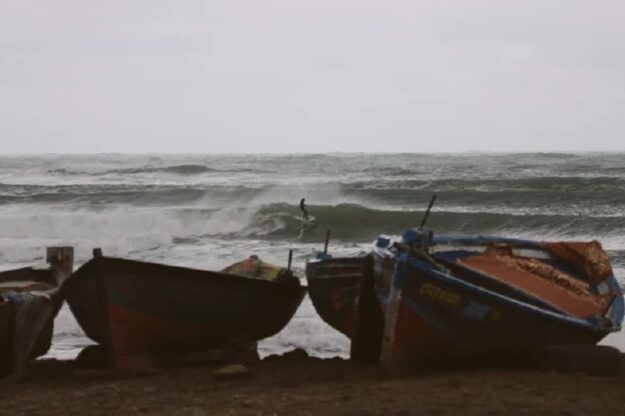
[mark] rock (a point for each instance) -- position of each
(231, 372)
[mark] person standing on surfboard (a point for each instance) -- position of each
(302, 206)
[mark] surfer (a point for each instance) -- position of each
(302, 206)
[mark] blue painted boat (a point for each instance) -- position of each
(481, 294)
(138, 308)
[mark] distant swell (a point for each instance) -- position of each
(595, 184)
(188, 169)
(94, 195)
(185, 169)
(581, 207)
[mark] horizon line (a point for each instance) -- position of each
(464, 152)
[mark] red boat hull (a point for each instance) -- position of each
(136, 308)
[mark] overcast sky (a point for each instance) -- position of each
(311, 76)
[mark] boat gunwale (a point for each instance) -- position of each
(198, 274)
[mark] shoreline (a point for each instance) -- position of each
(295, 383)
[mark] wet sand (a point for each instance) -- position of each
(300, 385)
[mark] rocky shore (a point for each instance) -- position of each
(295, 384)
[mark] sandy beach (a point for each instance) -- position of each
(297, 384)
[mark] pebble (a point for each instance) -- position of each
(231, 372)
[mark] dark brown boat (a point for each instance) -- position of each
(135, 308)
(334, 287)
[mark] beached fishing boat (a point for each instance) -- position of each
(490, 294)
(334, 285)
(425, 296)
(139, 308)
(334, 288)
(29, 300)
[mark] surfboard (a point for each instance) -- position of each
(311, 222)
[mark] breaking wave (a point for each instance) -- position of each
(359, 223)
(348, 222)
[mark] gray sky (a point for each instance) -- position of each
(311, 76)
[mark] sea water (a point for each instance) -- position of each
(207, 211)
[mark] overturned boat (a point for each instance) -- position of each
(29, 301)
(479, 295)
(138, 308)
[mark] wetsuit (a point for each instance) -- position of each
(302, 206)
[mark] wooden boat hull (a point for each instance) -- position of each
(6, 336)
(27, 320)
(334, 287)
(137, 308)
(430, 313)
(7, 313)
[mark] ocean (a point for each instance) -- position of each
(208, 211)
